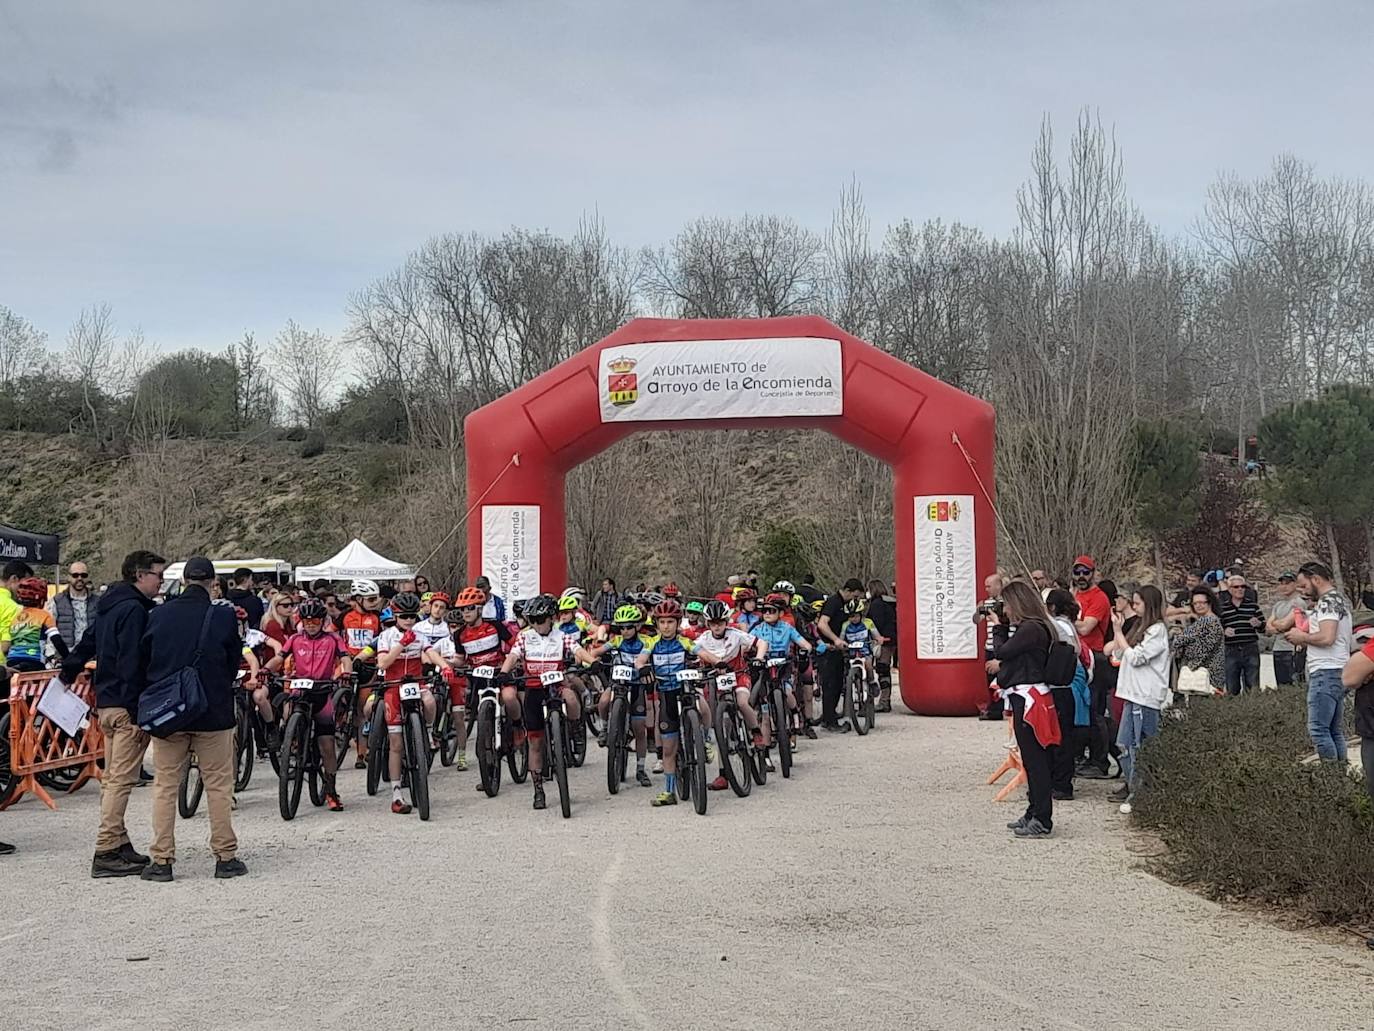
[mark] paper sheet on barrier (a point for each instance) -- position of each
(62, 707)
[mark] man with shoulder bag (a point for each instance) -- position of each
(190, 655)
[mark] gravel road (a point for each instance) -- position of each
(875, 889)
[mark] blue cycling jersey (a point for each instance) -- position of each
(746, 621)
(779, 636)
(668, 657)
(860, 632)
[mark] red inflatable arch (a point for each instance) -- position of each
(761, 374)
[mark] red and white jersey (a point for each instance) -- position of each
(410, 665)
(733, 648)
(544, 652)
(431, 631)
(483, 643)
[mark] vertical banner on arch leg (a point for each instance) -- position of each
(946, 577)
(510, 549)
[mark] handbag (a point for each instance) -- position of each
(1194, 681)
(177, 700)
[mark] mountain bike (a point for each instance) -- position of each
(191, 788)
(556, 744)
(691, 753)
(774, 701)
(733, 739)
(494, 730)
(445, 729)
(415, 756)
(244, 750)
(859, 703)
(619, 732)
(345, 701)
(299, 757)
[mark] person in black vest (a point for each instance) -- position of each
(169, 645)
(882, 609)
(74, 609)
(242, 595)
(831, 664)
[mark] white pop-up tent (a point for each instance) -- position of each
(355, 560)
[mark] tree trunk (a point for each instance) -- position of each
(1336, 576)
(1159, 566)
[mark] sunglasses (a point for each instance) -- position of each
(1082, 571)
(467, 608)
(78, 576)
(407, 615)
(286, 604)
(769, 608)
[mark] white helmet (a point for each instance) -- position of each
(575, 592)
(785, 587)
(364, 589)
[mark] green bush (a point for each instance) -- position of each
(1241, 816)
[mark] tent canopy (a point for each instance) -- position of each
(34, 548)
(356, 559)
(226, 566)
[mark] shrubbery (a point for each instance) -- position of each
(1242, 817)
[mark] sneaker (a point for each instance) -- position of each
(658, 765)
(462, 762)
(1032, 828)
(1061, 796)
(401, 807)
(1125, 809)
(273, 738)
(157, 872)
(1094, 772)
(768, 764)
(758, 739)
(987, 715)
(719, 784)
(112, 864)
(226, 868)
(809, 731)
(710, 753)
(601, 739)
(127, 852)
(360, 763)
(6, 849)
(539, 802)
(144, 777)
(642, 779)
(665, 798)
(835, 728)
(332, 803)
(1120, 794)
(884, 706)
(1016, 823)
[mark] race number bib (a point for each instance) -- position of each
(551, 678)
(410, 692)
(622, 674)
(726, 681)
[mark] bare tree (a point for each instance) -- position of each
(306, 365)
(90, 351)
(21, 347)
(255, 399)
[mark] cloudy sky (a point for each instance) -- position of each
(208, 169)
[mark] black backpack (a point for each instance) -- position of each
(1061, 664)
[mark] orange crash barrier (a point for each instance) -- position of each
(1012, 762)
(37, 744)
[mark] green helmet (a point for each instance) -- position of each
(695, 608)
(627, 615)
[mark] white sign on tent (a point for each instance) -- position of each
(356, 560)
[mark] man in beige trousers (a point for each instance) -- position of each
(113, 638)
(192, 631)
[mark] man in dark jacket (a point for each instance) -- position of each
(170, 645)
(113, 640)
(241, 594)
(882, 610)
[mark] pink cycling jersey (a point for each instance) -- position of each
(314, 657)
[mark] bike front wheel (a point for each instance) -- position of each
(734, 750)
(694, 745)
(292, 765)
(418, 758)
(556, 753)
(190, 789)
(244, 752)
(616, 749)
(783, 732)
(488, 761)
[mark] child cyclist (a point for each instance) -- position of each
(747, 609)
(361, 625)
(729, 646)
(696, 620)
(628, 643)
(475, 641)
(401, 658)
(542, 648)
(667, 657)
(319, 655)
(781, 638)
(859, 630)
(33, 627)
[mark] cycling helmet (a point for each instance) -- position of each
(650, 599)
(441, 596)
(407, 603)
(364, 589)
(626, 615)
(518, 607)
(855, 605)
(743, 594)
(32, 591)
(469, 596)
(567, 603)
(667, 609)
(694, 608)
(427, 597)
(817, 605)
(240, 613)
(716, 611)
(671, 590)
(453, 617)
(778, 601)
(575, 592)
(386, 617)
(785, 586)
(311, 608)
(539, 609)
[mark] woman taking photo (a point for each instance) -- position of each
(1143, 682)
(1200, 647)
(1018, 661)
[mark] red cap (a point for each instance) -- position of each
(1085, 560)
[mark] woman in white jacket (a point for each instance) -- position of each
(1143, 683)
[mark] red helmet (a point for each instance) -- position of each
(439, 596)
(667, 609)
(469, 596)
(31, 590)
(671, 591)
(743, 594)
(778, 600)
